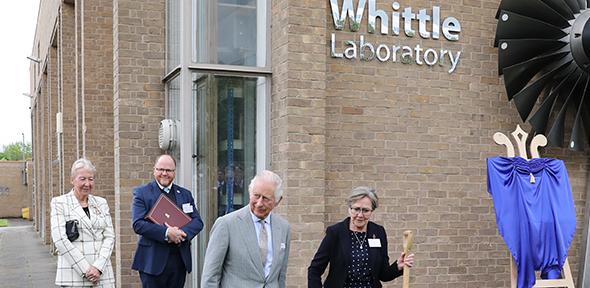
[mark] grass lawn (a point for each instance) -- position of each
(3, 222)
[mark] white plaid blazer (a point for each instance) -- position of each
(93, 247)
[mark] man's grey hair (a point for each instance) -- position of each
(82, 163)
(268, 176)
(361, 192)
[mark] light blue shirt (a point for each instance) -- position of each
(257, 226)
(162, 187)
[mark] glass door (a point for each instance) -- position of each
(225, 126)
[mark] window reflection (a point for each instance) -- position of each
(230, 32)
(237, 32)
(236, 126)
(227, 139)
(173, 103)
(172, 34)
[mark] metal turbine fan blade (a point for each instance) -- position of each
(525, 102)
(525, 99)
(585, 116)
(534, 9)
(518, 75)
(515, 26)
(556, 133)
(560, 7)
(513, 51)
(545, 63)
(574, 6)
(540, 118)
(578, 138)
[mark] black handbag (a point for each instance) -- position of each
(72, 230)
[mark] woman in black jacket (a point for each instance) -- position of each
(356, 249)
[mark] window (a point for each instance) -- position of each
(221, 98)
(226, 106)
(172, 34)
(229, 126)
(173, 107)
(230, 109)
(231, 32)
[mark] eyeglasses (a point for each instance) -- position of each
(358, 210)
(162, 170)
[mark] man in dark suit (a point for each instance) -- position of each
(163, 255)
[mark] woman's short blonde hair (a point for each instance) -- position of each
(361, 192)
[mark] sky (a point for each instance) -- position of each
(17, 28)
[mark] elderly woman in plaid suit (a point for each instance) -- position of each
(85, 261)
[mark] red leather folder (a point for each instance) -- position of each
(165, 211)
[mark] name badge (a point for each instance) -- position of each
(374, 242)
(187, 208)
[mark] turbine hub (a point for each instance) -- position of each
(580, 40)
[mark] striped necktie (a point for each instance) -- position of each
(263, 242)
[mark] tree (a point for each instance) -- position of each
(14, 151)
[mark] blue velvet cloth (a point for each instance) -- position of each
(537, 220)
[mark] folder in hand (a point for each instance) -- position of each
(165, 211)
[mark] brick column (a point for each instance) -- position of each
(44, 160)
(67, 50)
(97, 94)
(95, 106)
(37, 202)
(298, 124)
(51, 157)
(138, 45)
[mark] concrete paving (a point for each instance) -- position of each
(24, 260)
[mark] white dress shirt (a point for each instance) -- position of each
(268, 224)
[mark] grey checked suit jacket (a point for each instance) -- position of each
(233, 258)
(93, 246)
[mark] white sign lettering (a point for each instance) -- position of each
(428, 27)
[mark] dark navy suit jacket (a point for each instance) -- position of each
(152, 250)
(336, 249)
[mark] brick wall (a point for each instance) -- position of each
(67, 49)
(77, 81)
(44, 88)
(96, 84)
(138, 107)
(298, 121)
(14, 195)
(36, 164)
(45, 157)
(96, 80)
(54, 171)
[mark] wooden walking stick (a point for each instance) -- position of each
(408, 241)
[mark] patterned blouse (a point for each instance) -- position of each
(359, 272)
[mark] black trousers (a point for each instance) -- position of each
(173, 276)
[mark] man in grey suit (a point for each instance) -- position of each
(250, 247)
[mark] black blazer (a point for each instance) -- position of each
(335, 249)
